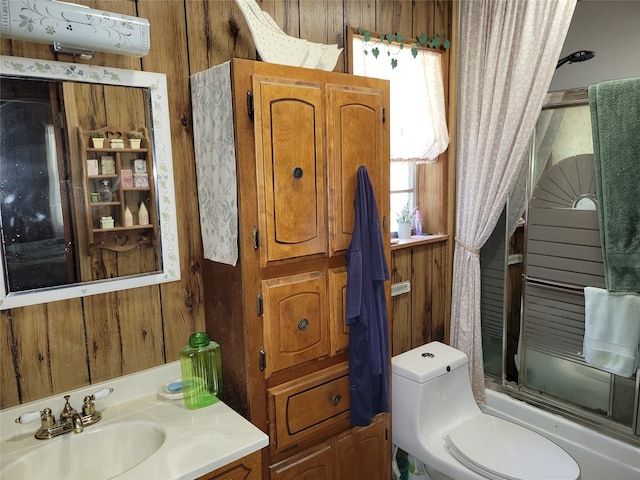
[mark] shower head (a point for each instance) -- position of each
(581, 56)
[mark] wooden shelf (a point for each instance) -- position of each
(115, 150)
(118, 238)
(122, 229)
(416, 240)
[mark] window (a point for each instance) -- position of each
(403, 189)
(418, 120)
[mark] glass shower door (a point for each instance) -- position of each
(562, 255)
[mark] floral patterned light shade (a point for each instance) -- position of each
(74, 28)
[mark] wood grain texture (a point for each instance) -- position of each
(8, 377)
(181, 302)
(419, 316)
(401, 305)
(51, 348)
(247, 468)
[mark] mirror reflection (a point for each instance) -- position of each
(59, 228)
(33, 228)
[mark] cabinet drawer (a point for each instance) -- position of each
(296, 328)
(302, 407)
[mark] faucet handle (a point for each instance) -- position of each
(45, 416)
(102, 393)
(29, 417)
(88, 407)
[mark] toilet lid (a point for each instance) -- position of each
(498, 449)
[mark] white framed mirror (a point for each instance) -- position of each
(56, 243)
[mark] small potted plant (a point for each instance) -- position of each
(134, 139)
(97, 139)
(405, 221)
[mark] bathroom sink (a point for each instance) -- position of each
(100, 452)
(144, 434)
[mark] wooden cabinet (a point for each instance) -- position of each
(117, 181)
(365, 452)
(247, 468)
(362, 453)
(302, 407)
(316, 463)
(295, 326)
(278, 314)
(290, 155)
(304, 197)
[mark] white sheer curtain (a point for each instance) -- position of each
(55, 200)
(508, 53)
(418, 119)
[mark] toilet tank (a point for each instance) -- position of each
(431, 391)
(428, 362)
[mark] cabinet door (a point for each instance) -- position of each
(356, 135)
(337, 304)
(289, 127)
(295, 325)
(365, 452)
(247, 468)
(313, 464)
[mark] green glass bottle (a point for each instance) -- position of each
(201, 366)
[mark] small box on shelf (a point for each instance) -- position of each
(140, 180)
(106, 222)
(140, 165)
(92, 167)
(107, 165)
(126, 177)
(116, 143)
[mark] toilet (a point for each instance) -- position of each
(437, 420)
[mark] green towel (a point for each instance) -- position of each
(615, 122)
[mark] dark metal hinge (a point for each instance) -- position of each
(384, 223)
(256, 238)
(250, 104)
(58, 120)
(384, 115)
(259, 305)
(263, 359)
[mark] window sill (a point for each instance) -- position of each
(416, 240)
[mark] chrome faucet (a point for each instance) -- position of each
(70, 420)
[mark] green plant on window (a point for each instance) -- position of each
(406, 214)
(388, 39)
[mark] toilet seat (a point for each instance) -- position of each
(498, 449)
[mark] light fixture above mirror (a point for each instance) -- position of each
(104, 97)
(74, 29)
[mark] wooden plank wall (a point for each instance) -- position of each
(50, 348)
(420, 316)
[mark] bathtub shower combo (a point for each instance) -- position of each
(533, 304)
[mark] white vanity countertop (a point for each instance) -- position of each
(195, 441)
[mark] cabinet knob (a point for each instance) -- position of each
(297, 173)
(303, 324)
(336, 399)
